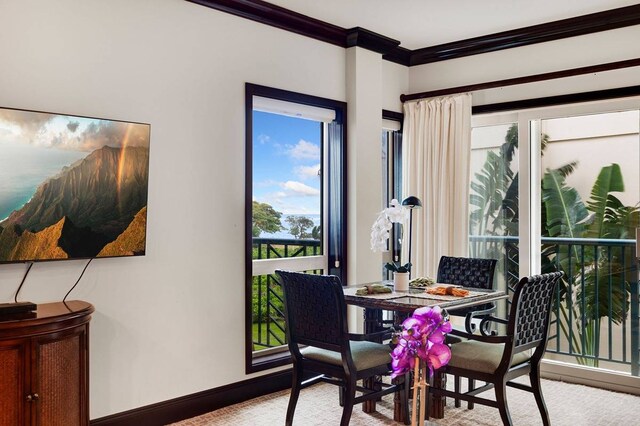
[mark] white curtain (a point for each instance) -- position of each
(436, 150)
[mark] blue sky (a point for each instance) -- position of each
(286, 161)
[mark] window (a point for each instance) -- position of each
(391, 150)
(295, 209)
(574, 208)
(494, 215)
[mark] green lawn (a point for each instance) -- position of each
(263, 327)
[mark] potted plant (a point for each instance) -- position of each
(400, 275)
(421, 348)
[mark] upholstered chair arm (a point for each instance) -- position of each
(484, 324)
(480, 314)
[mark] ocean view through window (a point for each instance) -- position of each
(295, 206)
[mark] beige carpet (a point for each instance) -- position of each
(568, 404)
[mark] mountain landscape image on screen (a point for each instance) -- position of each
(71, 187)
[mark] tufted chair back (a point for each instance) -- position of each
(469, 272)
(530, 311)
(315, 310)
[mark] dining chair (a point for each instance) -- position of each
(498, 359)
(316, 319)
(468, 272)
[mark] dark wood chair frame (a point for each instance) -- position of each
(527, 329)
(477, 273)
(316, 315)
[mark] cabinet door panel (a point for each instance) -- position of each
(12, 380)
(59, 384)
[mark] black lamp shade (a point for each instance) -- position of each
(412, 202)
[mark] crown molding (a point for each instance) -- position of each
(279, 17)
(399, 55)
(556, 30)
(366, 39)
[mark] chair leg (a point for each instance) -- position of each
(349, 397)
(534, 376)
(472, 386)
(296, 385)
(456, 388)
(501, 399)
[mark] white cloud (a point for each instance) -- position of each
(262, 138)
(304, 150)
(266, 183)
(307, 172)
(69, 132)
(299, 188)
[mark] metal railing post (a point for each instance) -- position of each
(635, 318)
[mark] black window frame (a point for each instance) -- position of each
(394, 188)
(336, 220)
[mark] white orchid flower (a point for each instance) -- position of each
(381, 229)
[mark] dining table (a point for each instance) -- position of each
(402, 304)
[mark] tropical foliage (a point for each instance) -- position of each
(298, 226)
(597, 278)
(265, 219)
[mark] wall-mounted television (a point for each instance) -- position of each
(71, 187)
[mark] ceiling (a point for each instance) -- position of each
(424, 23)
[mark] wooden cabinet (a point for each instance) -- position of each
(44, 366)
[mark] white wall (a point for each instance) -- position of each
(395, 81)
(170, 323)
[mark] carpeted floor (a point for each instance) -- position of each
(568, 404)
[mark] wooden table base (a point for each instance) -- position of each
(437, 403)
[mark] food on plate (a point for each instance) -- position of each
(421, 282)
(448, 291)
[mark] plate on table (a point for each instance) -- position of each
(421, 282)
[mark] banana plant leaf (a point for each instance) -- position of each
(564, 209)
(609, 180)
(604, 292)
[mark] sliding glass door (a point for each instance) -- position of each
(590, 198)
(573, 206)
(494, 213)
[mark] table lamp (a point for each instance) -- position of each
(411, 202)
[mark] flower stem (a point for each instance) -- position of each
(423, 392)
(416, 381)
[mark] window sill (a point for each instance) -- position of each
(266, 362)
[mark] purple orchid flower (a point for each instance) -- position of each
(422, 336)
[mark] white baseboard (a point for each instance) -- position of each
(596, 377)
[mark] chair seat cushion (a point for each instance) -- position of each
(481, 356)
(365, 355)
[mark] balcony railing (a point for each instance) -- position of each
(595, 319)
(267, 301)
